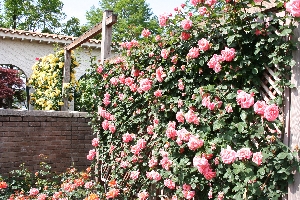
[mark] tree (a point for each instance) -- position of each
(133, 16)
(73, 28)
(33, 15)
(11, 87)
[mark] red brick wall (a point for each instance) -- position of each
(63, 137)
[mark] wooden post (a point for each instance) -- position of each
(66, 79)
(105, 26)
(293, 123)
(106, 36)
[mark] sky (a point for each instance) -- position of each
(78, 8)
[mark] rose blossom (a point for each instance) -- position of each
(152, 162)
(166, 163)
(244, 99)
(214, 63)
(244, 153)
(195, 2)
(180, 116)
(259, 107)
(163, 19)
(127, 137)
(145, 84)
(124, 164)
(193, 53)
(210, 2)
(134, 175)
(203, 44)
(202, 10)
(91, 155)
(228, 108)
(185, 36)
(257, 158)
(228, 54)
(191, 117)
(271, 112)
(95, 142)
(186, 24)
(169, 184)
(158, 93)
(293, 7)
(113, 193)
(42, 197)
(164, 53)
(188, 194)
(160, 74)
(33, 192)
(143, 195)
(146, 33)
(228, 155)
(195, 143)
(180, 85)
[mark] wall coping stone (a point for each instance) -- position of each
(41, 113)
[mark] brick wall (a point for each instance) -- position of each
(63, 137)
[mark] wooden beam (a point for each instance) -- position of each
(106, 35)
(66, 79)
(109, 21)
(294, 116)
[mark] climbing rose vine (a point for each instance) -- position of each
(181, 113)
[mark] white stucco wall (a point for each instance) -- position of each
(22, 53)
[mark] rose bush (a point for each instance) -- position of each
(47, 81)
(185, 109)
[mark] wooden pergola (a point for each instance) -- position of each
(104, 27)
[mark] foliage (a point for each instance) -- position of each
(33, 15)
(181, 111)
(45, 184)
(47, 80)
(73, 28)
(133, 15)
(11, 87)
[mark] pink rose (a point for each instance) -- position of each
(244, 99)
(210, 2)
(95, 142)
(169, 184)
(244, 153)
(143, 195)
(193, 53)
(134, 175)
(188, 194)
(228, 108)
(203, 44)
(163, 19)
(271, 112)
(186, 24)
(228, 155)
(128, 81)
(150, 129)
(160, 74)
(202, 10)
(191, 117)
(228, 54)
(195, 143)
(180, 116)
(185, 36)
(158, 93)
(164, 53)
(91, 155)
(152, 162)
(105, 125)
(99, 69)
(145, 84)
(33, 192)
(186, 187)
(195, 2)
(259, 107)
(293, 7)
(214, 63)
(127, 137)
(180, 85)
(146, 33)
(257, 158)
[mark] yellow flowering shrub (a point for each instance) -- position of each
(47, 81)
